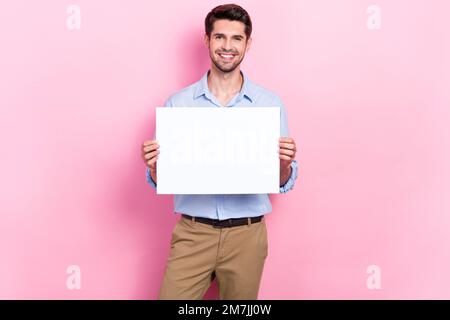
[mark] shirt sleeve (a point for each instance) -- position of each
(284, 128)
(284, 132)
(148, 170)
(289, 185)
(149, 178)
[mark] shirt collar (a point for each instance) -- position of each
(202, 88)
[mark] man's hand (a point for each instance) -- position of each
(287, 155)
(150, 155)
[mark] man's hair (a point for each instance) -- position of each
(231, 12)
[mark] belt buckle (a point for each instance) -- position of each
(215, 224)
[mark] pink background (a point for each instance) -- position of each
(368, 109)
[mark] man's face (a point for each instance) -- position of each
(227, 44)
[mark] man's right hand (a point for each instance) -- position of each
(150, 155)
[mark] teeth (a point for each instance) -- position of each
(226, 55)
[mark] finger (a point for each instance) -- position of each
(149, 142)
(284, 157)
(287, 152)
(152, 161)
(290, 146)
(150, 155)
(286, 139)
(150, 148)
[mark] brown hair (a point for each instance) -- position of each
(231, 12)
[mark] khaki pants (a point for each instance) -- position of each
(200, 252)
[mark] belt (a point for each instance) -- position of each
(227, 223)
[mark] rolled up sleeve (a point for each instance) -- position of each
(291, 181)
(149, 179)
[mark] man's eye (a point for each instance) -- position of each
(218, 37)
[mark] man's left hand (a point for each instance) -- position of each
(287, 155)
(287, 151)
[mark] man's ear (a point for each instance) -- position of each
(249, 44)
(206, 40)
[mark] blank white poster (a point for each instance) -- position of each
(223, 150)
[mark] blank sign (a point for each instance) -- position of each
(228, 150)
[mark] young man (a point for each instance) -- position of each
(222, 236)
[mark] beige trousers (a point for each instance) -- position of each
(199, 253)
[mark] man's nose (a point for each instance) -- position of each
(227, 44)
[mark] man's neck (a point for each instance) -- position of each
(225, 84)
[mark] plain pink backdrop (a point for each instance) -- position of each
(369, 110)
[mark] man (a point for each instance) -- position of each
(222, 236)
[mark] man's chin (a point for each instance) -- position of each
(226, 69)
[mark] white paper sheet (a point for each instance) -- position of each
(223, 150)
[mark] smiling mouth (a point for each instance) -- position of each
(227, 56)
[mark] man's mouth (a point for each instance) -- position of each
(226, 56)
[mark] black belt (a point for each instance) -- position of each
(228, 223)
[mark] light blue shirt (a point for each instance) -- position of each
(226, 206)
